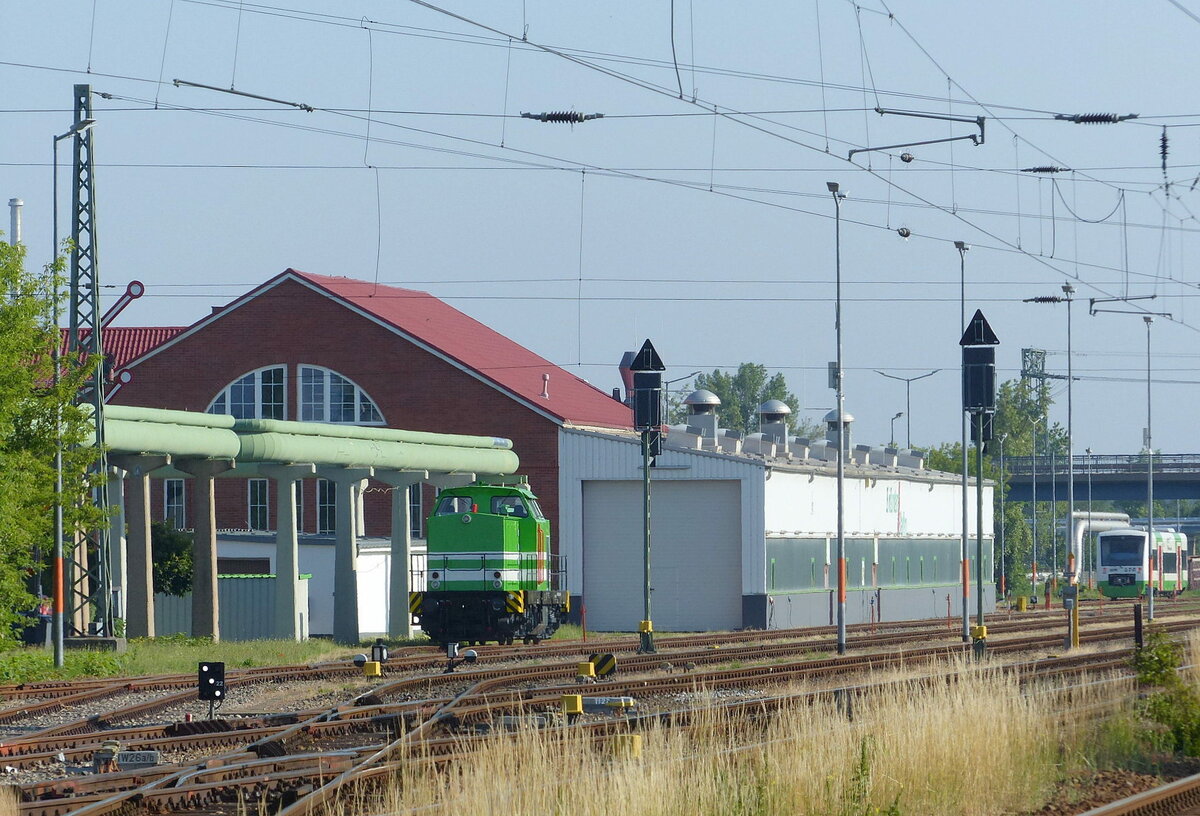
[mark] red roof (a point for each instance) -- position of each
(123, 344)
(466, 341)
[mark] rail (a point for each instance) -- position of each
(1101, 465)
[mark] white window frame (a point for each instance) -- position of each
(178, 519)
(416, 521)
(299, 505)
(326, 507)
(321, 408)
(222, 403)
(263, 487)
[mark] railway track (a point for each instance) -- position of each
(1178, 798)
(295, 760)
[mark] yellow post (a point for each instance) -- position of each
(572, 704)
(1075, 626)
(586, 669)
(628, 745)
(1022, 603)
(372, 668)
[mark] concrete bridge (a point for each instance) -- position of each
(1111, 477)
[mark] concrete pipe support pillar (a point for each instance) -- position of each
(206, 613)
(117, 561)
(287, 562)
(400, 582)
(139, 582)
(345, 560)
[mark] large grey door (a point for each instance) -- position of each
(696, 564)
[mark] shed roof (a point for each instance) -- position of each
(456, 337)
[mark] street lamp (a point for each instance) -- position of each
(1003, 542)
(1148, 439)
(908, 381)
(1068, 290)
(1092, 572)
(962, 248)
(1149, 479)
(838, 198)
(899, 414)
(59, 589)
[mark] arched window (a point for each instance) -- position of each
(326, 396)
(260, 394)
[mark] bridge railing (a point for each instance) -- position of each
(1100, 465)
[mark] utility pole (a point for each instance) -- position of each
(85, 591)
(979, 400)
(647, 370)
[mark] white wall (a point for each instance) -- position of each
(317, 559)
(586, 456)
(807, 504)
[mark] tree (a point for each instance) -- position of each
(30, 403)
(742, 393)
(1022, 408)
(172, 559)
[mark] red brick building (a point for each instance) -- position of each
(324, 349)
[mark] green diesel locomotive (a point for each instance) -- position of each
(488, 572)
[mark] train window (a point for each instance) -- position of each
(454, 505)
(509, 506)
(1122, 550)
(1169, 562)
(537, 509)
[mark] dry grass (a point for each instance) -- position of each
(8, 800)
(976, 746)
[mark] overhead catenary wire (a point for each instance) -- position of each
(760, 202)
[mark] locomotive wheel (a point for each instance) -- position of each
(527, 640)
(536, 641)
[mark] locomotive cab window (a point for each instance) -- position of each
(454, 505)
(1121, 551)
(509, 506)
(537, 510)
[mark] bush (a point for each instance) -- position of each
(1175, 707)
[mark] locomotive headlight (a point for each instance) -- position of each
(495, 575)
(434, 584)
(498, 584)
(433, 575)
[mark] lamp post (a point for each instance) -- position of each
(908, 381)
(962, 248)
(838, 198)
(1149, 479)
(1092, 572)
(59, 588)
(1068, 291)
(1148, 438)
(1003, 542)
(892, 440)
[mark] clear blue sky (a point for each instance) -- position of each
(710, 234)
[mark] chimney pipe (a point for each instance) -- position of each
(14, 232)
(546, 386)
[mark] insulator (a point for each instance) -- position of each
(1046, 168)
(1045, 299)
(1163, 149)
(1094, 118)
(904, 232)
(566, 117)
(907, 157)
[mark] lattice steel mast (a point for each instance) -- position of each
(90, 595)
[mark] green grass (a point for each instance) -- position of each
(175, 654)
(569, 631)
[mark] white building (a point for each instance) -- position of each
(744, 531)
